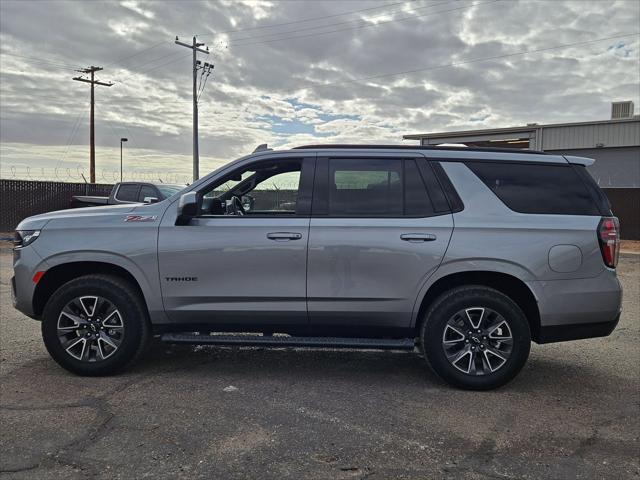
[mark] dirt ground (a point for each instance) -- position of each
(243, 413)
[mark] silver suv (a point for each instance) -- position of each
(466, 253)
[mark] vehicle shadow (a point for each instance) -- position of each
(281, 362)
(540, 375)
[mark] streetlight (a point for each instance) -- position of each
(121, 140)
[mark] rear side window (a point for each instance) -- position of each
(127, 193)
(535, 188)
(359, 187)
(377, 188)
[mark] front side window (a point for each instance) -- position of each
(267, 188)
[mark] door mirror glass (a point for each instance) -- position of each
(187, 208)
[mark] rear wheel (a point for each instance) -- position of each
(95, 325)
(475, 337)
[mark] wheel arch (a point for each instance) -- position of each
(62, 273)
(505, 283)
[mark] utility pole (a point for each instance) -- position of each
(121, 140)
(195, 46)
(92, 137)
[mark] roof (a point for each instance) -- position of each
(525, 128)
(415, 147)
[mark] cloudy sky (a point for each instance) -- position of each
(294, 72)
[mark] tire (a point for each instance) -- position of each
(79, 340)
(495, 360)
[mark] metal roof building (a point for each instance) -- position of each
(614, 144)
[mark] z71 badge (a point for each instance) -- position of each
(141, 218)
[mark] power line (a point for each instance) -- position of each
(367, 25)
(71, 137)
(172, 54)
(475, 60)
(39, 59)
(42, 61)
(311, 19)
(360, 21)
(155, 67)
(208, 67)
(120, 60)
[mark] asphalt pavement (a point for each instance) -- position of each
(244, 413)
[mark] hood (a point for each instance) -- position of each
(37, 222)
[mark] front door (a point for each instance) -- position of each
(377, 234)
(242, 261)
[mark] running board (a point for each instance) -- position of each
(284, 341)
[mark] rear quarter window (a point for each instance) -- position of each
(536, 188)
(127, 193)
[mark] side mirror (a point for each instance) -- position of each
(150, 200)
(187, 208)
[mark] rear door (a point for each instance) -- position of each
(380, 226)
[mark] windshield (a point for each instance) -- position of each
(169, 190)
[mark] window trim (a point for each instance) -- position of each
(320, 204)
(305, 191)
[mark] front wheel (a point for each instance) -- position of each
(95, 325)
(475, 337)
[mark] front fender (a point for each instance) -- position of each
(148, 282)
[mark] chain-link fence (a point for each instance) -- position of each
(80, 175)
(22, 198)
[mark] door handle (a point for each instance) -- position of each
(284, 236)
(418, 237)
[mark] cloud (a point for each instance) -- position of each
(306, 88)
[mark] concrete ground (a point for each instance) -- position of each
(186, 412)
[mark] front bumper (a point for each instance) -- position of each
(25, 263)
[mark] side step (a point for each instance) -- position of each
(284, 341)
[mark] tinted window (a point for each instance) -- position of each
(359, 187)
(127, 193)
(594, 189)
(534, 188)
(147, 191)
(416, 198)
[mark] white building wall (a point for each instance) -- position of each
(610, 134)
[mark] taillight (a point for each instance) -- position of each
(609, 238)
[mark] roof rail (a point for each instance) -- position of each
(419, 147)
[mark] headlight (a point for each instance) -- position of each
(22, 238)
